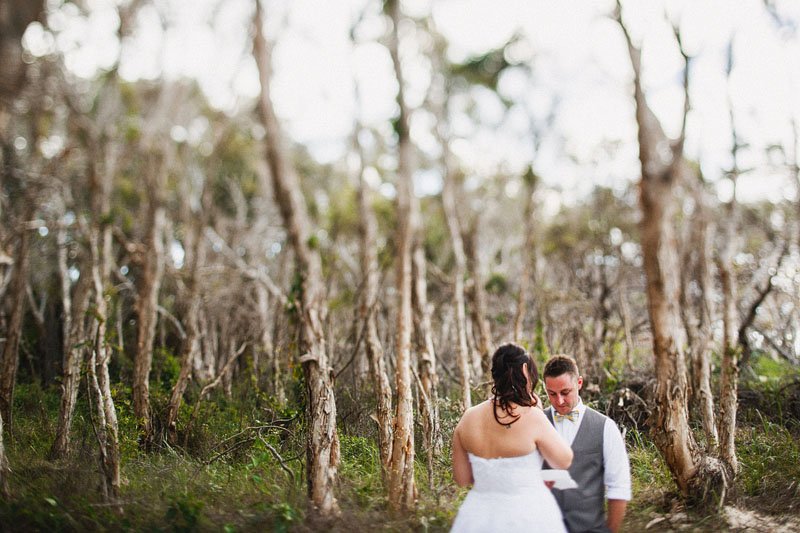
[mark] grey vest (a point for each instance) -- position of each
(584, 507)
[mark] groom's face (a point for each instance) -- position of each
(563, 391)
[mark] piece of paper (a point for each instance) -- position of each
(561, 477)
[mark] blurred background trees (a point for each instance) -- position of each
(154, 253)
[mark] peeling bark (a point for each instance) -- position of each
(697, 307)
(372, 344)
(426, 364)
(73, 356)
(322, 448)
(698, 476)
(147, 301)
(402, 489)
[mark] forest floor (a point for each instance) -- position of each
(223, 476)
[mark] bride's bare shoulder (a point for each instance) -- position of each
(476, 411)
(479, 408)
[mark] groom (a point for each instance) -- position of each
(600, 466)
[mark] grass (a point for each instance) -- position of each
(227, 480)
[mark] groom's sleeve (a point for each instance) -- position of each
(617, 475)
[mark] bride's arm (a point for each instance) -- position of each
(553, 448)
(462, 470)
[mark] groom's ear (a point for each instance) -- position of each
(580, 382)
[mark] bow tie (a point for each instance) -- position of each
(572, 416)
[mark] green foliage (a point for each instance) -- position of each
(166, 367)
(540, 350)
(769, 458)
(38, 514)
(484, 69)
(497, 283)
(285, 517)
(342, 215)
(385, 214)
(184, 513)
(768, 369)
(361, 465)
(588, 226)
(224, 480)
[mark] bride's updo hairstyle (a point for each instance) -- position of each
(510, 385)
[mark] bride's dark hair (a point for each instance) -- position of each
(510, 385)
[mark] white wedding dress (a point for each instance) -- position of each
(508, 495)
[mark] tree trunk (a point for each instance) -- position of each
(270, 359)
(730, 354)
(528, 256)
(477, 296)
(772, 263)
(673, 435)
(402, 490)
(5, 470)
(96, 411)
(426, 364)
(111, 455)
(147, 302)
(16, 297)
(101, 250)
(322, 449)
(602, 315)
(73, 356)
(697, 311)
(459, 272)
(728, 389)
(624, 313)
(15, 16)
(191, 344)
(372, 343)
(698, 477)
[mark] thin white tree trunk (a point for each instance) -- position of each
(96, 411)
(402, 489)
(697, 313)
(101, 249)
(322, 449)
(728, 389)
(147, 302)
(426, 364)
(73, 356)
(372, 343)
(730, 356)
(478, 301)
(459, 272)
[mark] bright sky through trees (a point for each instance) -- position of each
(580, 73)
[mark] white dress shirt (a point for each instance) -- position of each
(617, 471)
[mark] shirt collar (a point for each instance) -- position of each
(581, 407)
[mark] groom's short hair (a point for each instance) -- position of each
(560, 364)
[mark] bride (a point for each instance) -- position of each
(498, 447)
